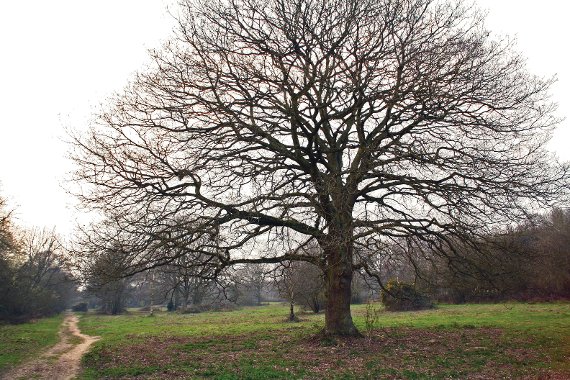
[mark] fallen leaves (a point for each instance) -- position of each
(386, 353)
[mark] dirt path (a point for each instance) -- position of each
(60, 362)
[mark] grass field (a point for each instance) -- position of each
(24, 341)
(454, 341)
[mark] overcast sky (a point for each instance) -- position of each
(60, 59)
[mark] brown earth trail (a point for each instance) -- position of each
(60, 362)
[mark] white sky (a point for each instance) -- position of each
(60, 59)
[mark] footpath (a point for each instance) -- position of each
(60, 362)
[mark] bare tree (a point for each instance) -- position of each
(105, 276)
(273, 124)
(286, 285)
(301, 283)
(41, 253)
(7, 240)
(34, 280)
(248, 282)
(187, 283)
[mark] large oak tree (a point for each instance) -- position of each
(269, 126)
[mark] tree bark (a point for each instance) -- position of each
(185, 298)
(338, 320)
(198, 294)
(292, 316)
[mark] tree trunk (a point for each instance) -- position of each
(198, 295)
(185, 299)
(338, 320)
(292, 316)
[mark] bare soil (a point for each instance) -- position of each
(60, 362)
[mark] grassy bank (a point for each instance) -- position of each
(460, 341)
(26, 340)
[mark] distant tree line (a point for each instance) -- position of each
(183, 285)
(525, 262)
(178, 286)
(34, 281)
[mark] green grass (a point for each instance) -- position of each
(452, 341)
(540, 320)
(513, 339)
(548, 324)
(23, 341)
(246, 320)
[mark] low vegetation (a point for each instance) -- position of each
(23, 341)
(400, 296)
(489, 340)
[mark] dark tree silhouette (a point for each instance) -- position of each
(105, 277)
(7, 240)
(34, 280)
(271, 125)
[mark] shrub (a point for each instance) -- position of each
(400, 296)
(193, 309)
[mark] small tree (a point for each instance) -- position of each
(106, 278)
(248, 283)
(286, 284)
(187, 282)
(302, 283)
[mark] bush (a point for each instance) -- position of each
(400, 296)
(193, 309)
(79, 307)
